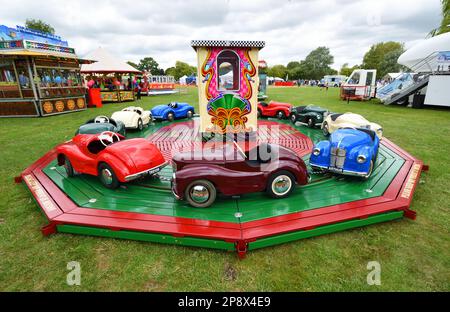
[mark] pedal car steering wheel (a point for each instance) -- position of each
(239, 149)
(107, 137)
(101, 119)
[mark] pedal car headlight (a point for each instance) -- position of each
(316, 151)
(361, 159)
(380, 131)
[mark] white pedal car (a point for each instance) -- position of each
(133, 117)
(349, 120)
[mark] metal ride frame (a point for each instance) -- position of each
(361, 96)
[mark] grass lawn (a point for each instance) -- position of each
(414, 255)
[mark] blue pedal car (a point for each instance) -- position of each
(172, 111)
(348, 151)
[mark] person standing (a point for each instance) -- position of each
(139, 91)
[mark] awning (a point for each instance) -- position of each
(25, 52)
(106, 64)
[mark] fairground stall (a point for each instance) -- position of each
(158, 84)
(112, 76)
(39, 74)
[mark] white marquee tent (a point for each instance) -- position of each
(106, 63)
(182, 80)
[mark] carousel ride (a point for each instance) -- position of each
(207, 190)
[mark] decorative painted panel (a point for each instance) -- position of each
(228, 87)
(63, 105)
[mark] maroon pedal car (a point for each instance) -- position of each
(232, 171)
(110, 157)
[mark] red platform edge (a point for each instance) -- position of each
(61, 210)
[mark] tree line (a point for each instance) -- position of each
(179, 70)
(381, 56)
(314, 66)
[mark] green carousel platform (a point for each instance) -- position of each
(146, 209)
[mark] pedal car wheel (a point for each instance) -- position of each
(293, 118)
(370, 171)
(201, 193)
(280, 115)
(170, 117)
(140, 124)
(107, 176)
(280, 184)
(190, 114)
(68, 166)
(325, 129)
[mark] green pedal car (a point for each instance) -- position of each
(100, 124)
(311, 116)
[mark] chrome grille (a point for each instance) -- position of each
(337, 157)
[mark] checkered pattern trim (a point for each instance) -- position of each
(228, 43)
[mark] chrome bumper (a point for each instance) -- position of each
(150, 171)
(305, 124)
(342, 171)
(172, 187)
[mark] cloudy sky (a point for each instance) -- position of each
(291, 28)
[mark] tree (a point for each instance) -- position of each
(445, 24)
(181, 69)
(39, 25)
(150, 65)
(376, 56)
(344, 69)
(294, 70)
(332, 71)
(296, 73)
(347, 71)
(292, 65)
(170, 71)
(317, 63)
(315, 66)
(133, 65)
(279, 71)
(389, 63)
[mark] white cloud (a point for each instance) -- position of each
(163, 28)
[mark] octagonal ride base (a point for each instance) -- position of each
(146, 210)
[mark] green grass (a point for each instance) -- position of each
(414, 255)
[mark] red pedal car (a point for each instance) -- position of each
(231, 171)
(274, 109)
(110, 157)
